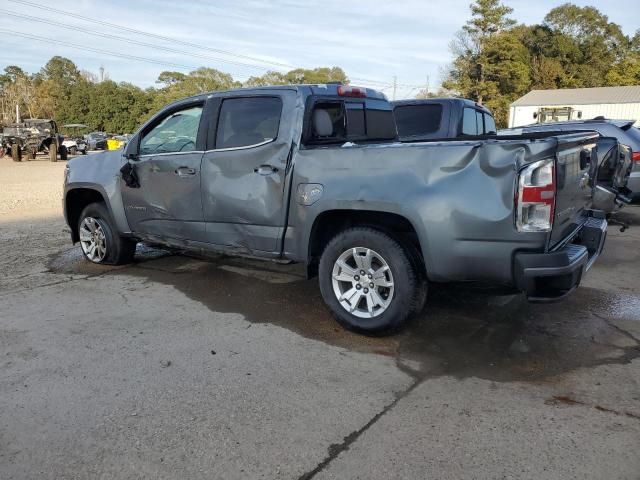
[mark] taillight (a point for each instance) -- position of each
(536, 197)
(636, 157)
(345, 91)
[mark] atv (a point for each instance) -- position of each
(32, 136)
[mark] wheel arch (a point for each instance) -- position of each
(75, 201)
(329, 223)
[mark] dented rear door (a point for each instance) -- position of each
(244, 174)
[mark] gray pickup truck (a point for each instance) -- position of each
(315, 174)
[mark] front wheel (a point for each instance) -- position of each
(369, 282)
(99, 240)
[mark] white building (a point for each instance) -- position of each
(543, 106)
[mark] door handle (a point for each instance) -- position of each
(265, 170)
(185, 171)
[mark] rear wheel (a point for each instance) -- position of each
(16, 153)
(99, 240)
(63, 152)
(369, 281)
(53, 151)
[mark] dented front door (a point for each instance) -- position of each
(167, 203)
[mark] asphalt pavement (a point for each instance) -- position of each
(182, 367)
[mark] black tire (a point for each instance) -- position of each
(63, 152)
(119, 250)
(53, 151)
(409, 290)
(16, 153)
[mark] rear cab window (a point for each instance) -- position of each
(469, 122)
(490, 125)
(416, 120)
(477, 122)
(337, 120)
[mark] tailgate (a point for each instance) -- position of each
(575, 154)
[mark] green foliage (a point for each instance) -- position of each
(60, 91)
(497, 61)
(300, 75)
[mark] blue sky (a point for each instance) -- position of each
(373, 41)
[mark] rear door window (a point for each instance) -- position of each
(248, 121)
(414, 120)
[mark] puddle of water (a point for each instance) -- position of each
(461, 332)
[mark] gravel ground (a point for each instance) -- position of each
(31, 223)
(178, 367)
(29, 192)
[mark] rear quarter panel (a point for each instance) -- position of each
(459, 197)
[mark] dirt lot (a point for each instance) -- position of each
(178, 367)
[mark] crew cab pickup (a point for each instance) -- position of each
(442, 118)
(315, 174)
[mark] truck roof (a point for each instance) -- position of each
(317, 89)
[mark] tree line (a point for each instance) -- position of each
(60, 90)
(495, 62)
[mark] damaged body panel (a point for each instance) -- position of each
(315, 174)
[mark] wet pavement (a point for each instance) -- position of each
(463, 331)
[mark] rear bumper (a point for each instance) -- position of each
(550, 277)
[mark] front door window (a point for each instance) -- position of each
(175, 133)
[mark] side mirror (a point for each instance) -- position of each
(131, 149)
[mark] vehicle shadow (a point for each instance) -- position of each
(462, 332)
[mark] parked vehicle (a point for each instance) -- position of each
(622, 130)
(96, 140)
(314, 174)
(75, 143)
(32, 136)
(442, 118)
(116, 142)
